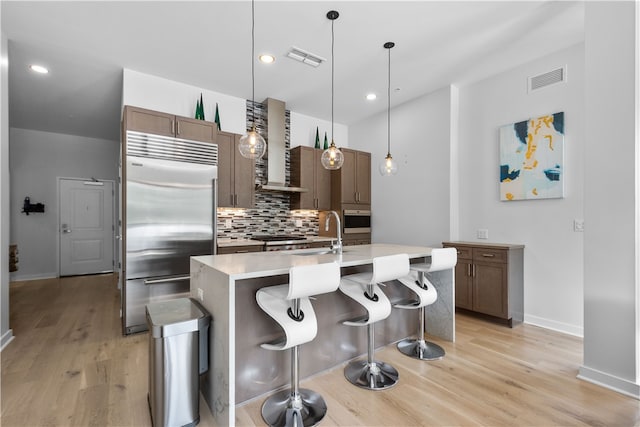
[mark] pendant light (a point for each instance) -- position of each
(332, 158)
(252, 145)
(388, 166)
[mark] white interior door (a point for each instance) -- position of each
(86, 227)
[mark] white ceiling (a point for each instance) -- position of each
(86, 44)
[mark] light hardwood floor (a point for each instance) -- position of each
(69, 365)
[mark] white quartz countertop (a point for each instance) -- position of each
(262, 264)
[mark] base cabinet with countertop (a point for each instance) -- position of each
(489, 279)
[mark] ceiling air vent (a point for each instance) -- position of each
(546, 79)
(305, 57)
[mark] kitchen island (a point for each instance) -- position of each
(241, 370)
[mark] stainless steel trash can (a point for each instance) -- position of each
(178, 354)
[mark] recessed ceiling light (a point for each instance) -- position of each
(38, 69)
(267, 59)
(371, 96)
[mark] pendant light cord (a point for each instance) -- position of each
(389, 108)
(332, 61)
(253, 75)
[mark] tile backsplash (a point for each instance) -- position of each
(271, 214)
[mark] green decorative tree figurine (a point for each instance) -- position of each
(197, 115)
(201, 108)
(217, 118)
(326, 144)
(317, 139)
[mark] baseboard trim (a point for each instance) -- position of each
(23, 278)
(554, 325)
(611, 382)
(7, 337)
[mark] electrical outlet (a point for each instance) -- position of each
(298, 222)
(200, 294)
(227, 223)
(483, 233)
(578, 225)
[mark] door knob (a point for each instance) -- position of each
(65, 229)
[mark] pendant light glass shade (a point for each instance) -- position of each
(388, 166)
(252, 145)
(332, 158)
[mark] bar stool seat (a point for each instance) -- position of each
(426, 294)
(364, 288)
(290, 307)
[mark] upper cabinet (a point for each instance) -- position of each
(351, 183)
(307, 172)
(157, 123)
(236, 174)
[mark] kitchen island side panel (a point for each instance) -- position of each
(216, 386)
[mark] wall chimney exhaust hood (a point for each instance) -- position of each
(276, 149)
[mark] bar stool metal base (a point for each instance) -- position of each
(421, 349)
(282, 409)
(373, 376)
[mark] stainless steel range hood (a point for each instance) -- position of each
(276, 149)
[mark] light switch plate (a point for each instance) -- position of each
(298, 223)
(227, 223)
(483, 233)
(578, 225)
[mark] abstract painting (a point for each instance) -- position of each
(531, 159)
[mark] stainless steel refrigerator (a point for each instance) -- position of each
(169, 215)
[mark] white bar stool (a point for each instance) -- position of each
(363, 287)
(418, 282)
(289, 305)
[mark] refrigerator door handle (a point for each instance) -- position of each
(166, 280)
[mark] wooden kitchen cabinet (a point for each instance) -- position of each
(490, 280)
(236, 174)
(158, 123)
(351, 184)
(307, 172)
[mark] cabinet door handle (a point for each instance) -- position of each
(473, 270)
(469, 270)
(243, 251)
(177, 127)
(488, 255)
(173, 126)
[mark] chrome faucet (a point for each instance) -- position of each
(337, 246)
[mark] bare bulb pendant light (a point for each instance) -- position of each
(332, 158)
(388, 166)
(252, 145)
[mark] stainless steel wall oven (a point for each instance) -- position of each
(356, 221)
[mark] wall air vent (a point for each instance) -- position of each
(305, 57)
(558, 75)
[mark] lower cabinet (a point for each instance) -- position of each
(489, 279)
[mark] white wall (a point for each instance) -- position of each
(6, 333)
(411, 207)
(156, 93)
(611, 355)
(553, 265)
(303, 131)
(37, 159)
